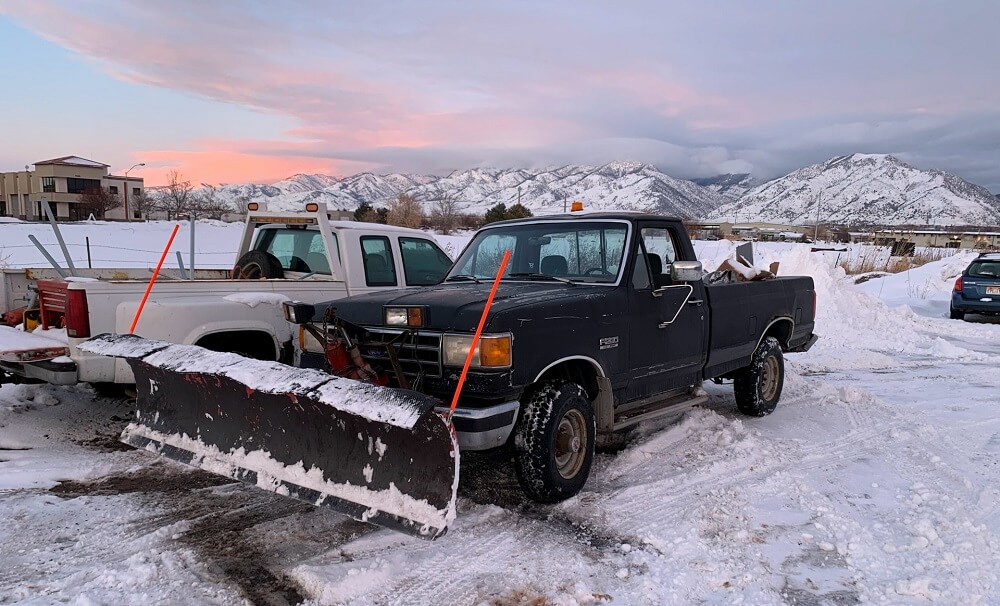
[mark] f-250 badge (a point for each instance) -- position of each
(609, 342)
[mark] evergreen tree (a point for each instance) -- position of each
(518, 211)
(496, 213)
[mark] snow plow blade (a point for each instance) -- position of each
(377, 454)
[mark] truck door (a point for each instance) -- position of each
(667, 321)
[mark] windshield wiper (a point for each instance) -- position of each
(538, 276)
(458, 277)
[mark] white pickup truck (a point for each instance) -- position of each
(302, 256)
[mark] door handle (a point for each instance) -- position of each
(697, 302)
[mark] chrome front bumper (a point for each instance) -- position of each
(484, 428)
(55, 373)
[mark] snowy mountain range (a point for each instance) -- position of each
(732, 186)
(865, 189)
(857, 189)
(613, 186)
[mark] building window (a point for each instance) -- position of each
(49, 184)
(113, 189)
(136, 191)
(78, 186)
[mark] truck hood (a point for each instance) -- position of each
(458, 307)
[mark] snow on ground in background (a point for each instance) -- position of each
(874, 481)
(139, 244)
(116, 244)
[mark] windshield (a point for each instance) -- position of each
(298, 250)
(985, 269)
(578, 251)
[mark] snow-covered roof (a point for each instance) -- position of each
(72, 161)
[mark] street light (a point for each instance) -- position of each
(128, 217)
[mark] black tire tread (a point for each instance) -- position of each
(746, 382)
(533, 460)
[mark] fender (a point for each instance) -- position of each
(597, 366)
(772, 323)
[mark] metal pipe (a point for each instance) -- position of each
(51, 261)
(191, 258)
(180, 264)
(59, 238)
(90, 265)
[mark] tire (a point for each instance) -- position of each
(554, 441)
(955, 314)
(256, 265)
(758, 386)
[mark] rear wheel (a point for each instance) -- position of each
(758, 386)
(554, 441)
(955, 314)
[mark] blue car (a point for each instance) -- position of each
(977, 290)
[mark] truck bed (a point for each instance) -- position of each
(741, 312)
(14, 283)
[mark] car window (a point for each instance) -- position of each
(380, 269)
(423, 262)
(660, 252)
(484, 260)
(298, 250)
(590, 251)
(984, 269)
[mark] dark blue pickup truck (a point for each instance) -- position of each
(602, 320)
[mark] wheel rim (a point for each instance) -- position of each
(769, 378)
(250, 271)
(571, 444)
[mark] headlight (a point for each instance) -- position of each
(297, 312)
(404, 316)
(492, 351)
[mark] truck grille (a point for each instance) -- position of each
(415, 351)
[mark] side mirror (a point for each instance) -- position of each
(685, 271)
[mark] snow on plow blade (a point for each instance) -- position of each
(377, 454)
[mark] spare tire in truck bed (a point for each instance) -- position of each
(257, 264)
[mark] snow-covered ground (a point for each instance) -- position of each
(875, 481)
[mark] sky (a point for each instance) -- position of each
(255, 91)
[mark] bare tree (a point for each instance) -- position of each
(176, 198)
(405, 211)
(97, 201)
(206, 203)
(444, 216)
(243, 204)
(141, 203)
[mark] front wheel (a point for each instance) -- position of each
(554, 441)
(758, 386)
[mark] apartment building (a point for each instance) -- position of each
(61, 182)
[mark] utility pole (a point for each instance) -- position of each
(816, 234)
